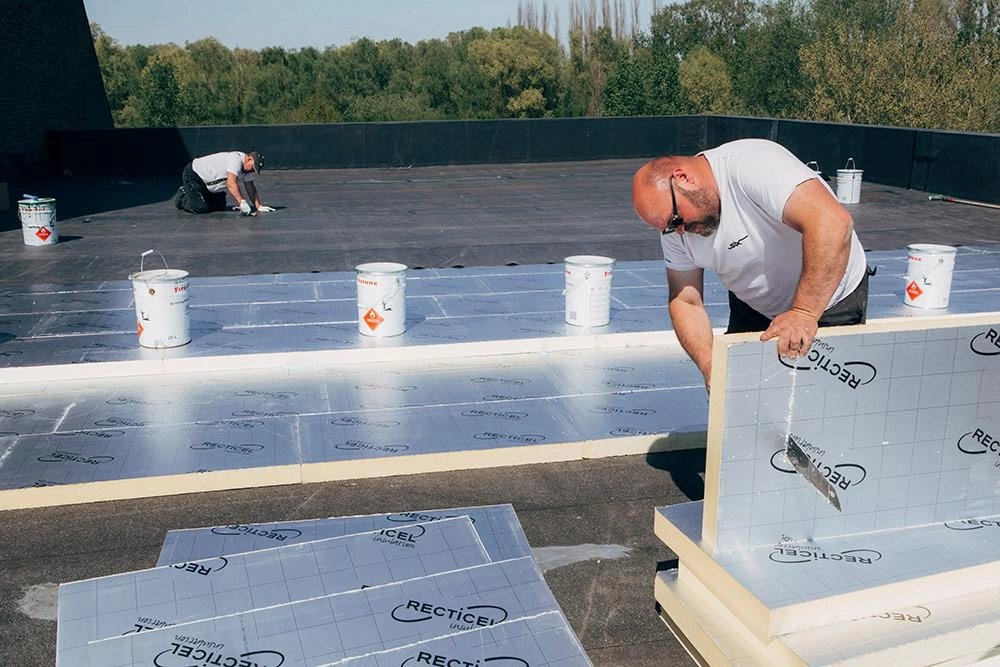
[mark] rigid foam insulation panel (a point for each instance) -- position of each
(131, 602)
(794, 586)
(100, 439)
(545, 640)
(326, 629)
(964, 627)
(900, 416)
(496, 525)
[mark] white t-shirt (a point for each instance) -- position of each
(756, 255)
(215, 168)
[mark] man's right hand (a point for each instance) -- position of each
(245, 207)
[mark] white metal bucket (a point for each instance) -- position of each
(588, 290)
(161, 306)
(929, 269)
(38, 221)
(815, 168)
(381, 299)
(849, 183)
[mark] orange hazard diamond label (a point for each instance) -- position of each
(913, 290)
(373, 319)
(43, 233)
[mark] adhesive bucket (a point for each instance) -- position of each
(849, 183)
(929, 269)
(38, 221)
(588, 290)
(381, 299)
(161, 306)
(815, 168)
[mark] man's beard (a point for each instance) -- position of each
(706, 204)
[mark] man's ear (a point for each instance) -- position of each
(682, 175)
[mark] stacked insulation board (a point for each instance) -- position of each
(900, 418)
(456, 586)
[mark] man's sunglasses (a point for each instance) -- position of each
(676, 219)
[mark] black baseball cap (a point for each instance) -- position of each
(258, 161)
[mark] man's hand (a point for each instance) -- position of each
(794, 330)
(263, 208)
(245, 207)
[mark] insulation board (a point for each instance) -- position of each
(496, 525)
(325, 629)
(133, 602)
(924, 634)
(545, 640)
(900, 417)
(790, 586)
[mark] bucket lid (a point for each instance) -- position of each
(381, 268)
(590, 260)
(158, 276)
(931, 249)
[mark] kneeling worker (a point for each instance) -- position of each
(206, 180)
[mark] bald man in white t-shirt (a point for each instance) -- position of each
(771, 229)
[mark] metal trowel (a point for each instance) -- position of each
(805, 467)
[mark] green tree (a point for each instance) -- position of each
(206, 80)
(520, 69)
(156, 102)
(919, 72)
(434, 66)
(768, 78)
(705, 83)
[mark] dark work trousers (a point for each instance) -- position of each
(197, 198)
(852, 309)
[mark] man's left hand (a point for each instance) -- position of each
(794, 330)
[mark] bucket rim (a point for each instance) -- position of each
(932, 248)
(381, 268)
(158, 275)
(40, 200)
(849, 172)
(590, 260)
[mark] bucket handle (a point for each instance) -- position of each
(578, 285)
(813, 165)
(149, 252)
(850, 164)
(383, 299)
(142, 258)
(923, 276)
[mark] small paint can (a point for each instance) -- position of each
(38, 220)
(381, 299)
(929, 269)
(161, 305)
(588, 290)
(849, 183)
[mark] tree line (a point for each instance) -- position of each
(909, 63)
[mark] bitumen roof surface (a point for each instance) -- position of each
(333, 220)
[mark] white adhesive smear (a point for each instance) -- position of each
(549, 558)
(790, 410)
(40, 601)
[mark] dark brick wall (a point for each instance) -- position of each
(50, 80)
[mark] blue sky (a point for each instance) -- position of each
(294, 24)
